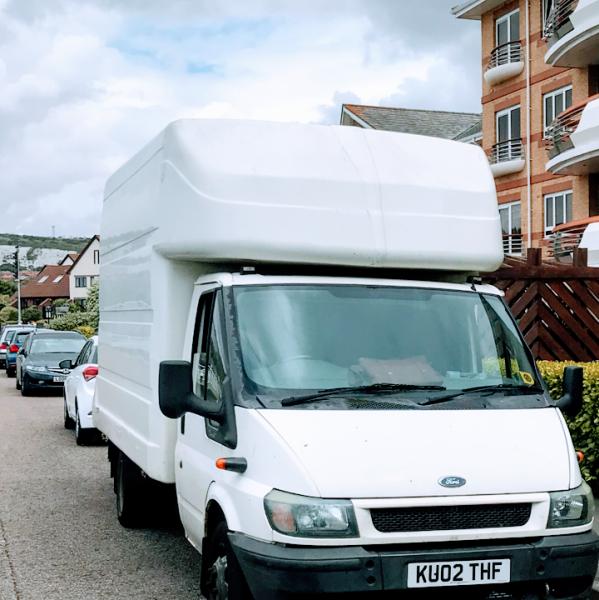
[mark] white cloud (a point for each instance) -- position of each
(85, 84)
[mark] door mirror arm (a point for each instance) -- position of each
(176, 397)
(571, 402)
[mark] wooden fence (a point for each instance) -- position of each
(556, 306)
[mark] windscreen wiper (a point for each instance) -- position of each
(375, 388)
(484, 388)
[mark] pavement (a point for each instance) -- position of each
(59, 536)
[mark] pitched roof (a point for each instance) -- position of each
(473, 131)
(73, 256)
(45, 284)
(436, 123)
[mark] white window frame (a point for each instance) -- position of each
(500, 20)
(43, 279)
(510, 242)
(548, 227)
(544, 13)
(78, 279)
(553, 94)
(507, 111)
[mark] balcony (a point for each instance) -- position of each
(572, 140)
(572, 33)
(505, 61)
(507, 157)
(565, 239)
(512, 244)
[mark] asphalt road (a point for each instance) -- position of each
(59, 537)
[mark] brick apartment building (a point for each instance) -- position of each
(540, 120)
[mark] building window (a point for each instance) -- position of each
(556, 102)
(507, 131)
(511, 227)
(96, 257)
(558, 210)
(57, 279)
(546, 7)
(507, 28)
(81, 281)
(43, 279)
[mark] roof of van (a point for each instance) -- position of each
(225, 190)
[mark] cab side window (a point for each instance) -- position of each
(208, 361)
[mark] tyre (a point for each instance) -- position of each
(10, 371)
(82, 436)
(223, 577)
(68, 422)
(131, 501)
(25, 387)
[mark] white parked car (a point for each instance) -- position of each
(79, 392)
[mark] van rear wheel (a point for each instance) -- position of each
(224, 578)
(130, 502)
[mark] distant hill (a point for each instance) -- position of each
(37, 251)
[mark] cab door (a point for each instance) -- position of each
(200, 441)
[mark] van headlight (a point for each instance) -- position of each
(571, 508)
(301, 516)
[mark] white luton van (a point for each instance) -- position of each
(294, 338)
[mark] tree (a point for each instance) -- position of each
(31, 314)
(93, 305)
(8, 315)
(85, 321)
(8, 287)
(4, 300)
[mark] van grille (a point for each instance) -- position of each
(446, 518)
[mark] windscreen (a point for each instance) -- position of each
(57, 345)
(304, 337)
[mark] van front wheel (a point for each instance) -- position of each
(224, 577)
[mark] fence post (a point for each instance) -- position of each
(534, 257)
(580, 257)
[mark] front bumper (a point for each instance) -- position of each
(42, 380)
(277, 571)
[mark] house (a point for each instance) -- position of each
(460, 126)
(50, 284)
(540, 120)
(85, 270)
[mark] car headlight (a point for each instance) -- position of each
(35, 369)
(301, 516)
(571, 508)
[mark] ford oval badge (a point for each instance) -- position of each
(452, 482)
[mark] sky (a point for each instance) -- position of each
(84, 84)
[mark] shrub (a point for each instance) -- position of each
(31, 315)
(8, 315)
(585, 425)
(70, 321)
(86, 330)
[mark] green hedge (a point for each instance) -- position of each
(585, 427)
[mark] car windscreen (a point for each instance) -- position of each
(44, 345)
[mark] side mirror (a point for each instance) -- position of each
(571, 402)
(176, 397)
(67, 363)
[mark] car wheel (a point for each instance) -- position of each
(224, 578)
(25, 387)
(68, 422)
(82, 436)
(10, 372)
(131, 502)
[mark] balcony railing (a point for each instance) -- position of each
(505, 54)
(558, 22)
(564, 239)
(557, 134)
(512, 243)
(507, 150)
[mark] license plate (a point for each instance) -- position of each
(463, 572)
(59, 378)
